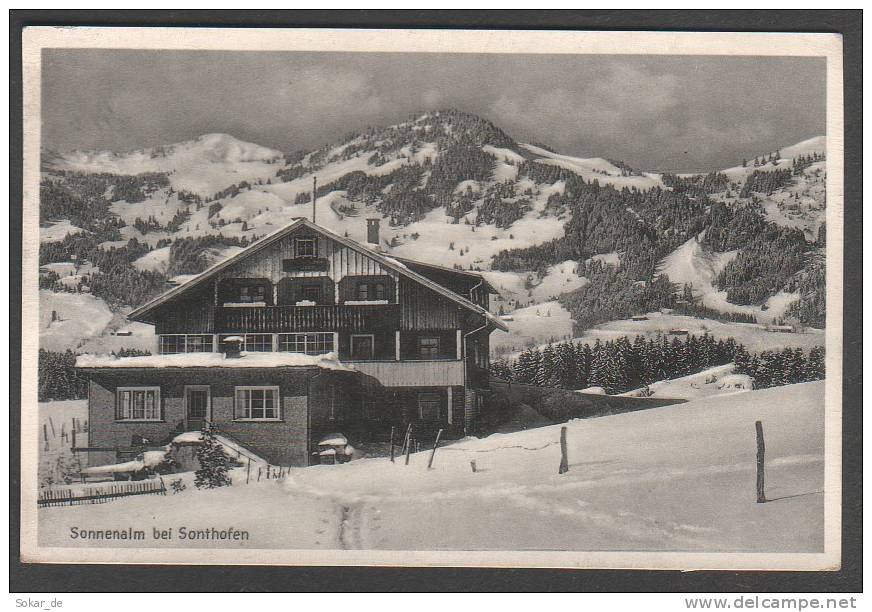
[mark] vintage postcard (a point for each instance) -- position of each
(432, 298)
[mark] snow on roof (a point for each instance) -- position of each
(120, 468)
(333, 440)
(188, 437)
(215, 360)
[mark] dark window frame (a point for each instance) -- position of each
(311, 251)
(352, 352)
(431, 352)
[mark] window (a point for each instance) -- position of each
(199, 343)
(371, 291)
(311, 293)
(304, 247)
(256, 404)
(254, 343)
(428, 347)
(362, 347)
(309, 344)
(138, 404)
(362, 291)
(429, 404)
(252, 294)
(171, 344)
(185, 343)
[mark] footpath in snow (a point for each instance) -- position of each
(677, 478)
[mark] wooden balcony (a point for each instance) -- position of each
(327, 317)
(448, 373)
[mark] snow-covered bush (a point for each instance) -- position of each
(214, 464)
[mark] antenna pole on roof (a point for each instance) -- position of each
(314, 195)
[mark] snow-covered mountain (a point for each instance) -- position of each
(203, 166)
(451, 188)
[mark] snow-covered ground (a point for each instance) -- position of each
(531, 326)
(677, 478)
(55, 232)
(707, 383)
(155, 261)
(524, 287)
(753, 336)
(55, 422)
(80, 316)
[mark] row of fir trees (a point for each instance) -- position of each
(624, 364)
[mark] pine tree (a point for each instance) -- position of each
(214, 464)
(546, 374)
(815, 366)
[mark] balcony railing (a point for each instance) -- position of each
(327, 317)
(413, 373)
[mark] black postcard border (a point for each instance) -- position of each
(59, 578)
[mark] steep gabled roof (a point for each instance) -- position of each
(144, 311)
(446, 270)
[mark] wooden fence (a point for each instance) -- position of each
(99, 495)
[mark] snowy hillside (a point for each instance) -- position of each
(691, 264)
(204, 166)
(677, 478)
(449, 187)
(596, 168)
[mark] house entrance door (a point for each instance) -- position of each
(197, 407)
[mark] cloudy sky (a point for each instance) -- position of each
(657, 113)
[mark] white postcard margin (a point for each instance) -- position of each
(828, 46)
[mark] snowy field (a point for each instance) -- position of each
(677, 478)
(532, 326)
(55, 438)
(708, 383)
(753, 336)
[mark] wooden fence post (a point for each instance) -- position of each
(248, 471)
(408, 448)
(564, 460)
(433, 454)
(392, 443)
(74, 441)
(407, 440)
(51, 422)
(472, 465)
(761, 453)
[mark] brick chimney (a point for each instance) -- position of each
(233, 347)
(372, 231)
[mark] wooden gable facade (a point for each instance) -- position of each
(284, 274)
